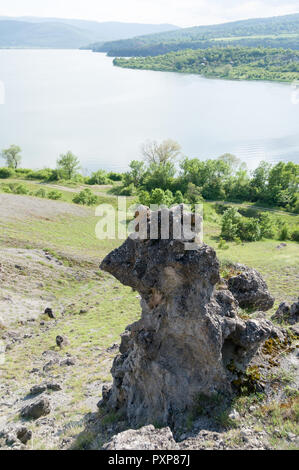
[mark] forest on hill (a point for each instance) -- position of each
(229, 63)
(273, 32)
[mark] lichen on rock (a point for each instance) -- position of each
(187, 334)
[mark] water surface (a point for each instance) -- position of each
(59, 100)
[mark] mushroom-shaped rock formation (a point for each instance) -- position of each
(188, 332)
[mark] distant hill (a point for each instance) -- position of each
(276, 32)
(67, 33)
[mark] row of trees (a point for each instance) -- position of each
(67, 164)
(224, 178)
(165, 175)
(224, 62)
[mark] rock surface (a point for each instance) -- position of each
(188, 332)
(250, 290)
(36, 409)
(287, 313)
(146, 438)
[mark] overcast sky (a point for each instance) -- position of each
(179, 12)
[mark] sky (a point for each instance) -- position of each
(180, 12)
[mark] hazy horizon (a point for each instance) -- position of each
(183, 13)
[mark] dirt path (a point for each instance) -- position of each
(15, 207)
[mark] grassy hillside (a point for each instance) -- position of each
(264, 32)
(50, 256)
(64, 33)
(229, 63)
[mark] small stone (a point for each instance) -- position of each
(234, 415)
(68, 362)
(24, 435)
(37, 389)
(35, 410)
(50, 364)
(54, 387)
(49, 312)
(62, 341)
(10, 440)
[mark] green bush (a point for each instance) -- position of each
(249, 230)
(113, 176)
(41, 193)
(43, 175)
(18, 188)
(230, 224)
(22, 171)
(54, 195)
(98, 177)
(128, 190)
(284, 233)
(295, 236)
(86, 198)
(6, 172)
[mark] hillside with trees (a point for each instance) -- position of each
(273, 32)
(229, 63)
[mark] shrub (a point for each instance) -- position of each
(40, 193)
(113, 176)
(193, 194)
(43, 175)
(86, 198)
(249, 230)
(22, 171)
(55, 195)
(6, 189)
(98, 177)
(295, 236)
(128, 190)
(19, 189)
(230, 224)
(6, 172)
(267, 225)
(284, 233)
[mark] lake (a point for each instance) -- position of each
(59, 100)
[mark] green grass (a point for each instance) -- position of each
(109, 306)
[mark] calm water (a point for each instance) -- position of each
(76, 100)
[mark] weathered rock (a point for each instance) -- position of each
(38, 408)
(187, 334)
(38, 389)
(69, 361)
(49, 312)
(62, 341)
(146, 438)
(250, 290)
(287, 313)
(54, 387)
(23, 434)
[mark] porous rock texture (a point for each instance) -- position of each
(187, 334)
(146, 438)
(287, 313)
(250, 289)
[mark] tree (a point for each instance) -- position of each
(167, 151)
(136, 174)
(234, 163)
(12, 156)
(69, 164)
